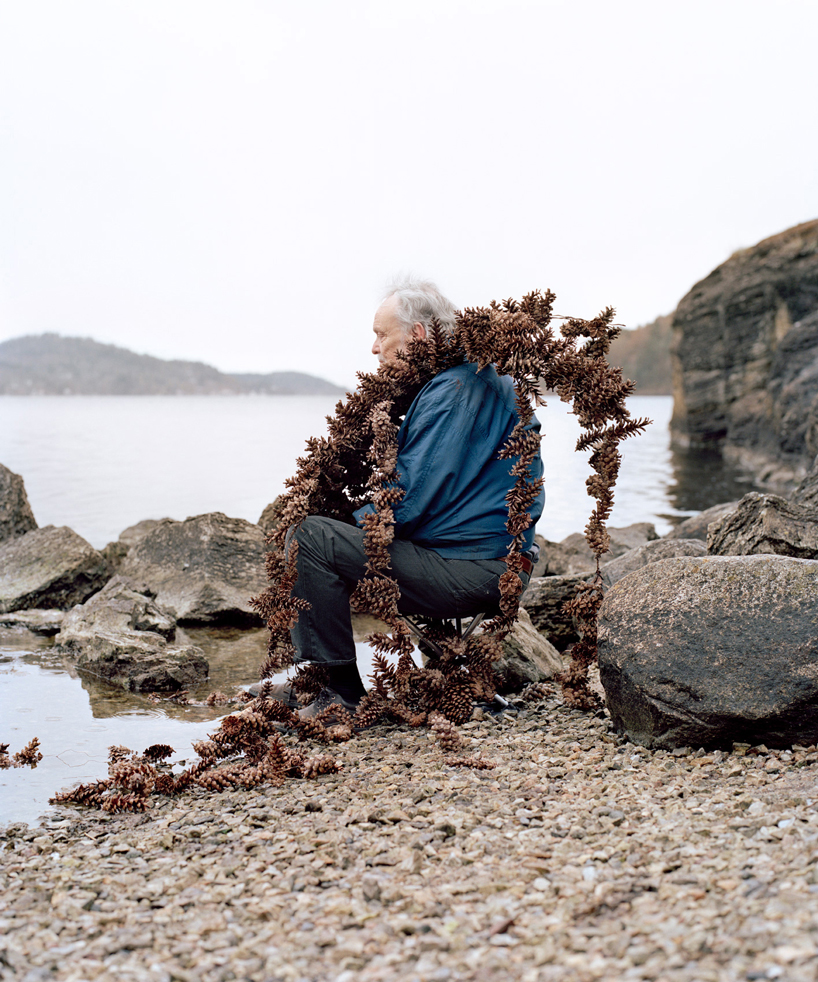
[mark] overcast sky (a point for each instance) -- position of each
(235, 182)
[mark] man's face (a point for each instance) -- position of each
(389, 339)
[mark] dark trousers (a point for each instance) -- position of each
(331, 561)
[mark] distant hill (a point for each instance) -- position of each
(643, 354)
(50, 364)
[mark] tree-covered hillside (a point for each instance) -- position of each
(643, 355)
(50, 364)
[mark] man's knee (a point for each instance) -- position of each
(326, 539)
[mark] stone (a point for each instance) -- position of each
(133, 533)
(49, 567)
(695, 527)
(121, 635)
(204, 569)
(45, 622)
(116, 551)
(806, 494)
(745, 353)
(765, 523)
(703, 652)
(527, 657)
(16, 516)
(121, 605)
(652, 552)
(269, 517)
(543, 599)
(573, 555)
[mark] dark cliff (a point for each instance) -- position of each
(49, 364)
(745, 358)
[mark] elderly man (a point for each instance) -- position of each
(450, 535)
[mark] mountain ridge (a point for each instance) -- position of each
(54, 364)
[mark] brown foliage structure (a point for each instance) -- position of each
(356, 463)
(29, 756)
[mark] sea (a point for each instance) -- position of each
(99, 464)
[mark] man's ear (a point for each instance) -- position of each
(418, 331)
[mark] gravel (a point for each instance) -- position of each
(578, 857)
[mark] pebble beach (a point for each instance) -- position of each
(578, 856)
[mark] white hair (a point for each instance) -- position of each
(420, 302)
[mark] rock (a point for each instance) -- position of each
(695, 527)
(713, 651)
(134, 533)
(543, 599)
(45, 622)
(745, 354)
(269, 517)
(653, 552)
(204, 569)
(115, 552)
(765, 523)
(806, 494)
(49, 567)
(121, 605)
(16, 516)
(527, 657)
(573, 555)
(121, 635)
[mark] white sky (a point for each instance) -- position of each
(235, 182)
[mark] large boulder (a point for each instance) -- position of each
(573, 556)
(708, 651)
(765, 523)
(745, 353)
(527, 657)
(204, 569)
(122, 636)
(653, 552)
(544, 598)
(695, 527)
(269, 517)
(49, 567)
(806, 494)
(16, 516)
(116, 551)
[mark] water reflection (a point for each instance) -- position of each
(77, 717)
(702, 479)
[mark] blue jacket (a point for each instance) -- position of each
(448, 465)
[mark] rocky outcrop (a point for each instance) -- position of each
(204, 569)
(745, 353)
(573, 555)
(806, 494)
(695, 527)
(123, 636)
(765, 523)
(16, 516)
(714, 650)
(543, 599)
(652, 552)
(115, 552)
(49, 567)
(269, 517)
(527, 657)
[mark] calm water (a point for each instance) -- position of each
(100, 464)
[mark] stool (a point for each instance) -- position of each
(498, 704)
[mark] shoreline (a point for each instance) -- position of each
(579, 856)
